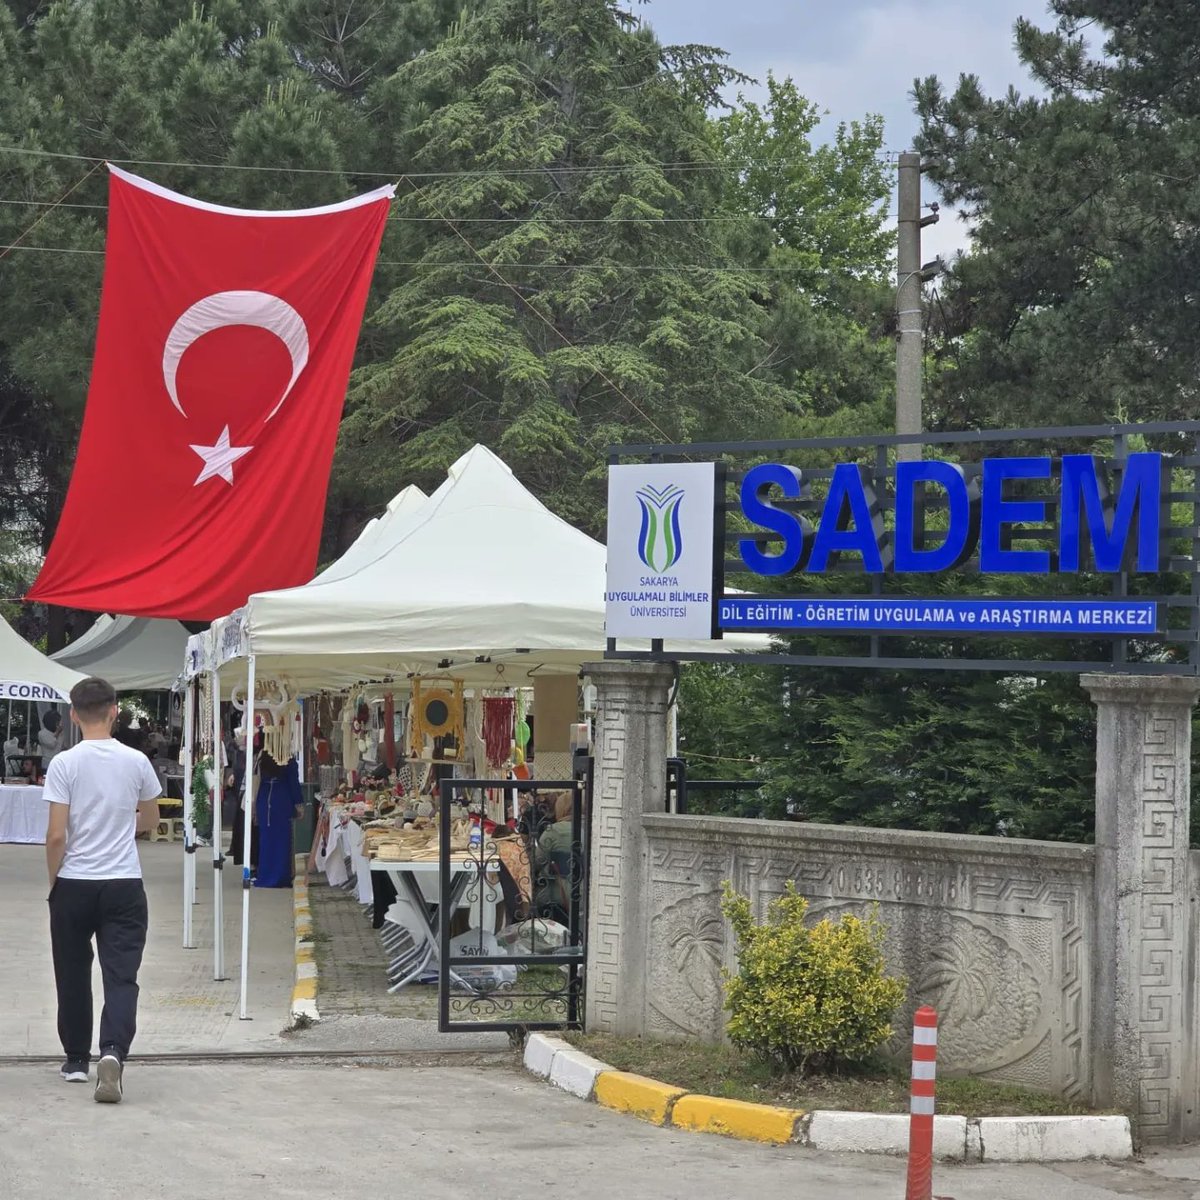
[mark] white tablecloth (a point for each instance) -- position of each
(23, 815)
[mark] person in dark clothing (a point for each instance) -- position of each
(101, 795)
(235, 794)
(537, 815)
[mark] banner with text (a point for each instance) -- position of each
(1077, 617)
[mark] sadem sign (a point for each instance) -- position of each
(678, 526)
(1116, 533)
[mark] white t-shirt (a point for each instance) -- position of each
(102, 782)
(49, 744)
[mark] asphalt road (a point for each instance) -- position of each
(316, 1131)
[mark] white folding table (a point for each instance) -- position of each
(24, 815)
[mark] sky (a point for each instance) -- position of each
(854, 57)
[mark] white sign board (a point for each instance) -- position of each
(660, 550)
(13, 689)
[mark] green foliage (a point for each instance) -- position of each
(946, 751)
(579, 256)
(1076, 302)
(201, 793)
(808, 996)
(568, 288)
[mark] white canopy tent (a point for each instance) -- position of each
(477, 580)
(378, 535)
(480, 581)
(28, 674)
(90, 636)
(132, 653)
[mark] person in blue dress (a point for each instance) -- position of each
(279, 798)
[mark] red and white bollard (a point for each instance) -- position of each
(920, 1121)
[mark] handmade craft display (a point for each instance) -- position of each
(437, 713)
(498, 714)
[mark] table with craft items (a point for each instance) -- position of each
(24, 814)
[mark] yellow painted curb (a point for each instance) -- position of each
(646, 1099)
(305, 989)
(735, 1118)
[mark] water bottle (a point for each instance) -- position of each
(475, 837)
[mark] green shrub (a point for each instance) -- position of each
(808, 996)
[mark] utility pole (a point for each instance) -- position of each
(910, 325)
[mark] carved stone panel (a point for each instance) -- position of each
(995, 941)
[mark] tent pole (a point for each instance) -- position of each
(247, 823)
(189, 822)
(218, 857)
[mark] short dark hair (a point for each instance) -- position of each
(92, 698)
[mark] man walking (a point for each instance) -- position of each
(102, 794)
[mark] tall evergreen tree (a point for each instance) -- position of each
(1077, 302)
(568, 288)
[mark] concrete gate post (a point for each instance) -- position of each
(1144, 983)
(630, 780)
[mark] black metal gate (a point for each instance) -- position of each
(518, 899)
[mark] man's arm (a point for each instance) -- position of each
(149, 794)
(147, 815)
(56, 839)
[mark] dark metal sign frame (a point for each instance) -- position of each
(550, 988)
(1172, 649)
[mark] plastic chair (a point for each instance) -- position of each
(405, 939)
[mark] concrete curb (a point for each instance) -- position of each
(304, 990)
(955, 1139)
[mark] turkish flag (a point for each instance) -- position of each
(222, 354)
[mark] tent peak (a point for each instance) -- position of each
(478, 455)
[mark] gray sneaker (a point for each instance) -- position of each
(108, 1079)
(74, 1070)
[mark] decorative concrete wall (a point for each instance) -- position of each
(1070, 968)
(993, 933)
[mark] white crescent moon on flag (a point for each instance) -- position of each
(259, 309)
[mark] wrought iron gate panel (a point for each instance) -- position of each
(531, 976)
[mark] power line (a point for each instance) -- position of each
(30, 228)
(530, 266)
(599, 168)
(550, 220)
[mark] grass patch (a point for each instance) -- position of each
(734, 1074)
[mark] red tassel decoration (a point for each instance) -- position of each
(498, 714)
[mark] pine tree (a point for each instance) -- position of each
(567, 288)
(1076, 304)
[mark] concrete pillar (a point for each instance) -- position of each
(630, 780)
(1144, 997)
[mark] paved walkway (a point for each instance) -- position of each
(352, 963)
(313, 1132)
(357, 1011)
(182, 1009)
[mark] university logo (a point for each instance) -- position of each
(660, 543)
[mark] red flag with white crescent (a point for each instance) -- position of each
(223, 350)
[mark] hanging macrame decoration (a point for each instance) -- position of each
(362, 727)
(498, 728)
(438, 715)
(276, 729)
(389, 731)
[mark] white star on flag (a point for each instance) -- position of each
(219, 459)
